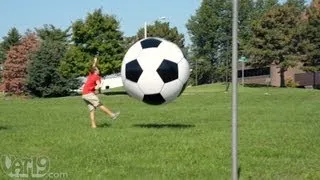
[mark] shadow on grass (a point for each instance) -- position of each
(256, 85)
(104, 125)
(109, 93)
(158, 126)
(3, 128)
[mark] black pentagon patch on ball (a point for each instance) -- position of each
(150, 43)
(168, 71)
(133, 71)
(153, 99)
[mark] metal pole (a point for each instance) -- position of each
(196, 72)
(242, 80)
(234, 89)
(145, 29)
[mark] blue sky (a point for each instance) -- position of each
(28, 14)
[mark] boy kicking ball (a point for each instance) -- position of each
(92, 84)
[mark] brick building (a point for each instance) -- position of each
(270, 76)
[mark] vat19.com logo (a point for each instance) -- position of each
(29, 167)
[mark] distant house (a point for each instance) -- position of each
(111, 81)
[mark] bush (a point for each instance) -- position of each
(291, 83)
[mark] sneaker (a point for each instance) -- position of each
(115, 115)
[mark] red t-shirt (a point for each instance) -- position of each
(89, 86)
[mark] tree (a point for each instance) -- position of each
(44, 79)
(75, 63)
(249, 11)
(129, 41)
(99, 35)
(201, 71)
(310, 41)
(15, 67)
(12, 38)
(273, 39)
(211, 33)
(210, 30)
(300, 4)
(163, 30)
(50, 32)
(262, 6)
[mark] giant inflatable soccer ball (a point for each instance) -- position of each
(154, 71)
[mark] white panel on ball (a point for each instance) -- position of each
(171, 90)
(150, 82)
(123, 71)
(133, 89)
(170, 51)
(184, 70)
(132, 53)
(150, 59)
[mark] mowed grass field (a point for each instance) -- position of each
(190, 138)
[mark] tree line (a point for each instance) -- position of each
(270, 32)
(47, 61)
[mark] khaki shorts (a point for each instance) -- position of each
(91, 100)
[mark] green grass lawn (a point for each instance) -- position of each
(190, 138)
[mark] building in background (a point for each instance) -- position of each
(270, 75)
(108, 82)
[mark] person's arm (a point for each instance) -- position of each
(98, 85)
(95, 62)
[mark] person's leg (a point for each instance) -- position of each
(109, 112)
(93, 121)
(95, 102)
(91, 110)
(106, 110)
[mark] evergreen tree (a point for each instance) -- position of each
(44, 79)
(310, 40)
(13, 38)
(273, 39)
